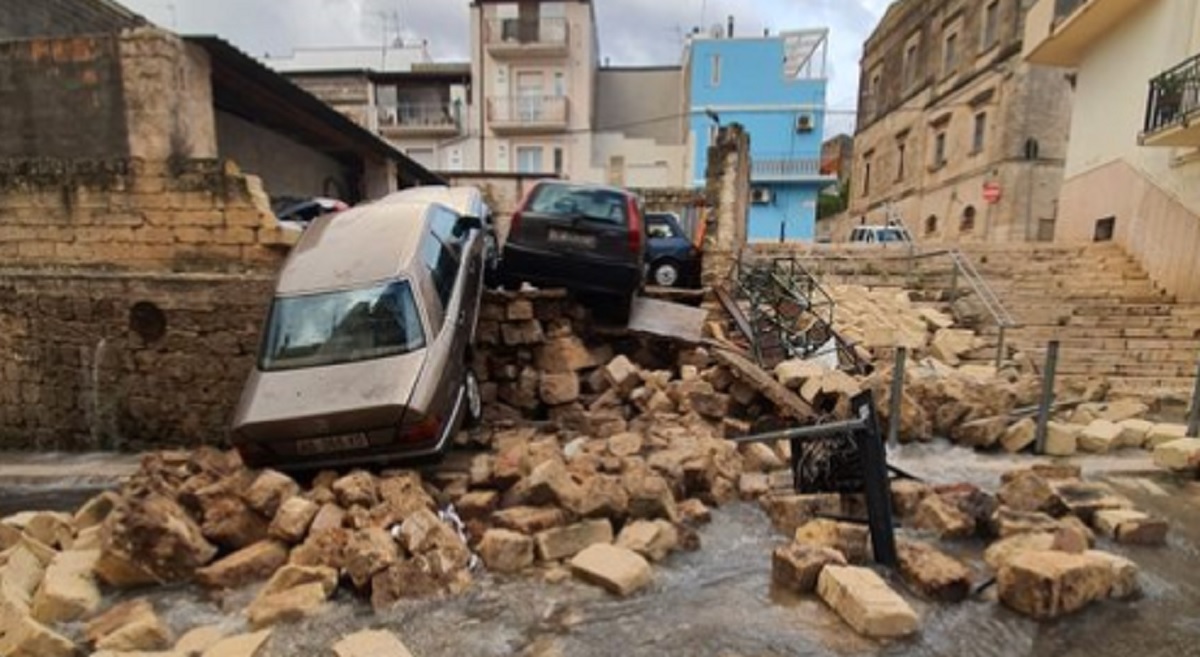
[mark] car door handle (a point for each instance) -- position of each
(462, 317)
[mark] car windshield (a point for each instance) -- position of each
(342, 327)
(596, 204)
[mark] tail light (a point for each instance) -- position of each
(635, 228)
(424, 431)
(515, 224)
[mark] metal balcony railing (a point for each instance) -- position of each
(419, 115)
(526, 31)
(783, 167)
(527, 110)
(1174, 96)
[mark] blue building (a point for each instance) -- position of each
(775, 88)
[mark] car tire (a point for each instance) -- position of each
(666, 273)
(473, 397)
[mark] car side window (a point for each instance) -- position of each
(445, 227)
(443, 266)
(658, 228)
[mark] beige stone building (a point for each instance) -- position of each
(1132, 168)
(948, 112)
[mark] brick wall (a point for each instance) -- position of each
(131, 295)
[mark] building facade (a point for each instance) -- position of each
(775, 88)
(1132, 172)
(958, 137)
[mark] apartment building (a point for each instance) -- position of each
(958, 137)
(1133, 163)
(774, 86)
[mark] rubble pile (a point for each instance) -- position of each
(1042, 527)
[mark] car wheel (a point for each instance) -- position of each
(665, 274)
(474, 399)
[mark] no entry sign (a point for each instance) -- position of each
(991, 192)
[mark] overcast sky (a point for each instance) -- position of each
(632, 32)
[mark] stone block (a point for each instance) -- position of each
(619, 570)
(1177, 455)
(563, 542)
(1099, 437)
(357, 488)
(796, 567)
(369, 551)
(556, 389)
(1164, 433)
(1025, 490)
(1125, 582)
(1134, 433)
(22, 636)
(1019, 436)
(1131, 527)
(68, 591)
(250, 564)
(293, 519)
(269, 490)
(1001, 552)
(622, 375)
(371, 643)
(528, 519)
(653, 539)
(240, 645)
(287, 606)
(506, 551)
(1050, 584)
(866, 602)
(907, 495)
(1062, 439)
(940, 516)
(850, 539)
(933, 573)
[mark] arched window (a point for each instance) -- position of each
(968, 220)
(931, 224)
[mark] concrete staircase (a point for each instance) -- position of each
(1111, 322)
(1101, 306)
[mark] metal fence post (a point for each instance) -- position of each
(953, 282)
(1193, 429)
(1047, 397)
(897, 395)
(1000, 347)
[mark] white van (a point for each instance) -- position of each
(880, 235)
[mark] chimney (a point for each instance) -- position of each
(729, 29)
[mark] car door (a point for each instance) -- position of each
(587, 222)
(445, 366)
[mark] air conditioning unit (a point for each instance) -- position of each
(804, 123)
(761, 196)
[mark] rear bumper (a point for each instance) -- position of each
(575, 272)
(260, 453)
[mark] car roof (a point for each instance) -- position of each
(574, 185)
(365, 244)
(459, 199)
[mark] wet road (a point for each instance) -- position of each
(718, 602)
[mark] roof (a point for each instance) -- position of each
(394, 59)
(460, 199)
(244, 87)
(365, 244)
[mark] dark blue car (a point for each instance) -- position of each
(672, 260)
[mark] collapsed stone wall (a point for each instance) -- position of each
(131, 296)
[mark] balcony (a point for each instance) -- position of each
(527, 114)
(522, 37)
(771, 167)
(1059, 32)
(1173, 107)
(420, 120)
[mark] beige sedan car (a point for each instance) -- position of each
(365, 353)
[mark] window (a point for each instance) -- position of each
(446, 227)
(901, 147)
(422, 156)
(991, 18)
(602, 205)
(529, 159)
(931, 224)
(660, 227)
(341, 327)
(560, 84)
(968, 220)
(939, 150)
(980, 135)
(558, 161)
(715, 69)
(950, 54)
(867, 175)
(910, 64)
(1104, 229)
(442, 265)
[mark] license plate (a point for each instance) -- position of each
(327, 444)
(572, 238)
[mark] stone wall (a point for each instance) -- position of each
(131, 296)
(26, 18)
(728, 191)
